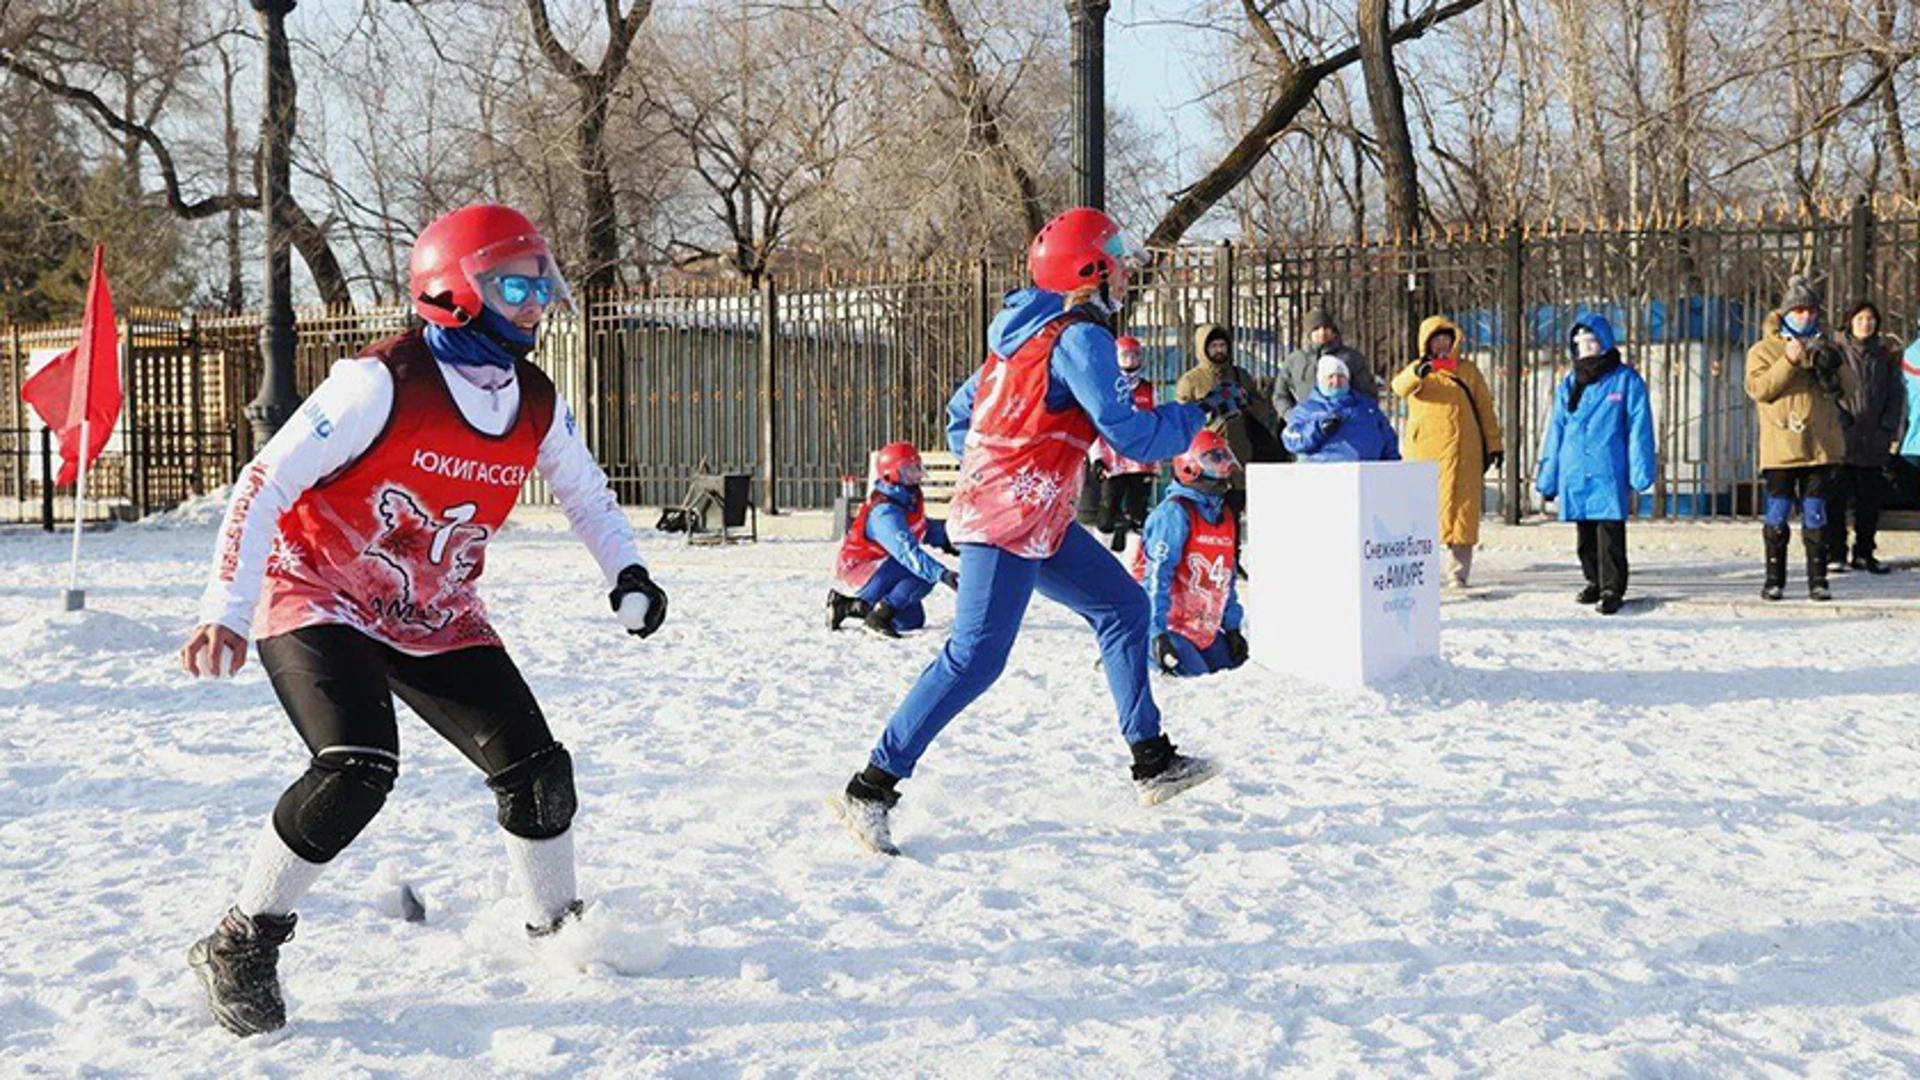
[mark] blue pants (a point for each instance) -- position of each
(901, 589)
(1195, 660)
(995, 587)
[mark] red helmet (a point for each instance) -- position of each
(450, 268)
(1209, 457)
(1080, 247)
(1128, 348)
(899, 463)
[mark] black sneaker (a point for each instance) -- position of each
(239, 964)
(1160, 771)
(1771, 591)
(1819, 591)
(880, 620)
(1588, 595)
(571, 914)
(863, 809)
(1609, 603)
(1870, 564)
(841, 608)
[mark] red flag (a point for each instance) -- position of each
(83, 382)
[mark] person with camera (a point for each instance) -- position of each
(1797, 380)
(1300, 373)
(1450, 420)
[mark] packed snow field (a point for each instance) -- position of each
(1680, 842)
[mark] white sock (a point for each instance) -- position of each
(276, 877)
(543, 876)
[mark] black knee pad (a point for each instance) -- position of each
(326, 808)
(536, 794)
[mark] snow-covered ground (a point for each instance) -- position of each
(1682, 842)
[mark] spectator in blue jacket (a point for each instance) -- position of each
(1598, 451)
(1336, 424)
(882, 572)
(1187, 563)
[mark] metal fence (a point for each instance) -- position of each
(795, 380)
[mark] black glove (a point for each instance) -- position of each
(951, 579)
(1423, 369)
(635, 579)
(1164, 654)
(1236, 646)
(1494, 460)
(1328, 425)
(946, 545)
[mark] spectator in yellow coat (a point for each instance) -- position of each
(1450, 420)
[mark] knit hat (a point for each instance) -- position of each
(1331, 365)
(1800, 294)
(1318, 319)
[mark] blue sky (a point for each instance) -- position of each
(1150, 71)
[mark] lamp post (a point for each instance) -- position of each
(277, 398)
(1089, 19)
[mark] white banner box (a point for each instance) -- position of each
(1343, 565)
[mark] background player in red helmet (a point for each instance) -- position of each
(1022, 426)
(1126, 485)
(1188, 551)
(368, 517)
(882, 573)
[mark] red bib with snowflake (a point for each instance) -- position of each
(860, 555)
(1203, 579)
(1110, 458)
(1021, 473)
(394, 543)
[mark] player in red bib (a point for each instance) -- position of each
(1022, 427)
(882, 572)
(1188, 562)
(367, 518)
(1126, 487)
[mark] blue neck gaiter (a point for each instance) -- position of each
(490, 341)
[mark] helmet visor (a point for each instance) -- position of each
(517, 274)
(1128, 256)
(1218, 463)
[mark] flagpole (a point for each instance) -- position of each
(76, 597)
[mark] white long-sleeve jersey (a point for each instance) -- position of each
(340, 421)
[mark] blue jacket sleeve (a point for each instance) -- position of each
(960, 415)
(1084, 359)
(1641, 461)
(887, 526)
(1302, 435)
(1547, 482)
(1231, 617)
(1164, 539)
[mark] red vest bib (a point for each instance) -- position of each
(394, 543)
(860, 555)
(1109, 457)
(1202, 579)
(1024, 465)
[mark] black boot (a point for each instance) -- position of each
(1870, 564)
(840, 608)
(1817, 568)
(1161, 771)
(1610, 603)
(880, 620)
(572, 913)
(239, 964)
(863, 808)
(1776, 586)
(1588, 595)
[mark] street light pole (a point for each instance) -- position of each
(1089, 19)
(277, 398)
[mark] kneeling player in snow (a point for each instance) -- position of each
(1022, 426)
(1126, 486)
(882, 573)
(368, 516)
(1188, 554)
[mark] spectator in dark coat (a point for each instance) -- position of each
(1875, 401)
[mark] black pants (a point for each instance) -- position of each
(1865, 488)
(1124, 502)
(1603, 554)
(337, 685)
